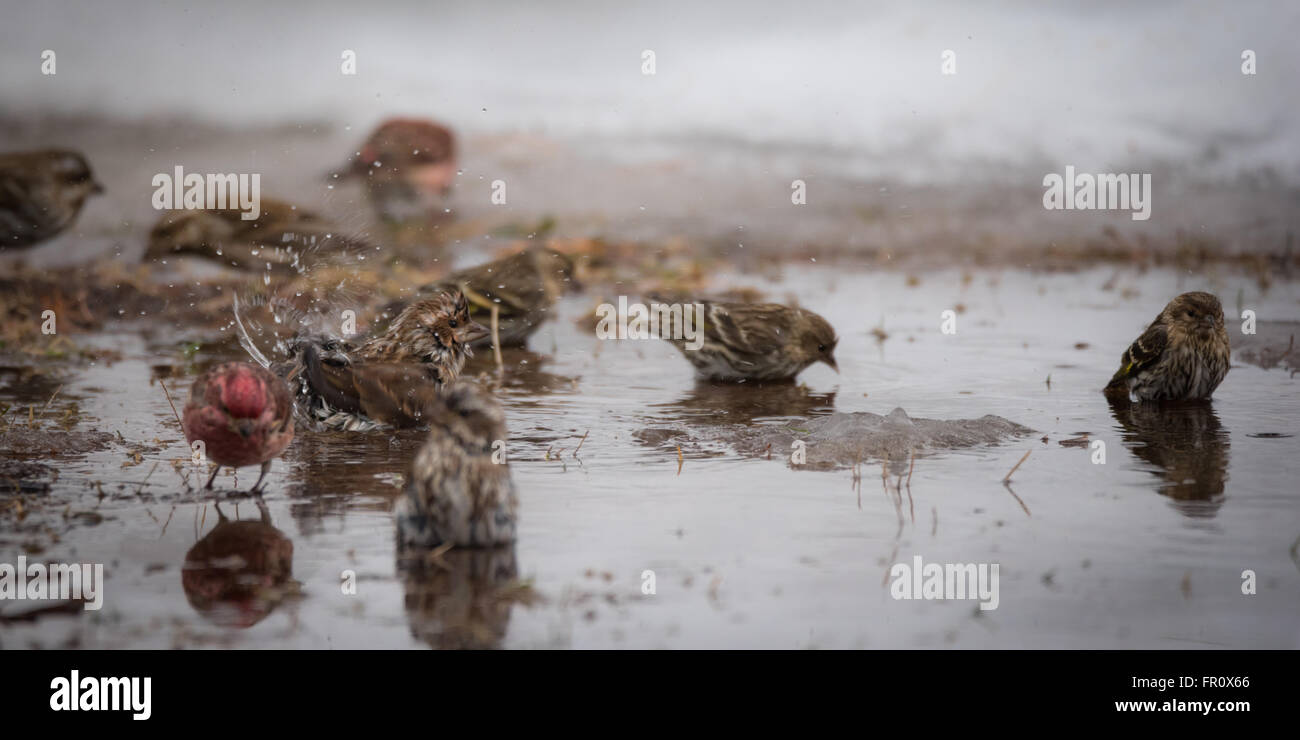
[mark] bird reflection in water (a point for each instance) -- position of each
(239, 572)
(461, 598)
(741, 403)
(1185, 444)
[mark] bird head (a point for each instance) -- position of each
(469, 415)
(73, 174)
(816, 340)
(1195, 314)
(435, 329)
(243, 395)
(561, 268)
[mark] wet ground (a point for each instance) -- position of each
(1145, 550)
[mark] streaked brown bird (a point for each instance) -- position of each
(404, 163)
(385, 380)
(41, 194)
(283, 238)
(523, 287)
(243, 416)
(458, 491)
(1182, 356)
(753, 341)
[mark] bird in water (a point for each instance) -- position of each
(737, 342)
(386, 379)
(242, 414)
(522, 287)
(41, 194)
(283, 239)
(1182, 356)
(458, 489)
(407, 165)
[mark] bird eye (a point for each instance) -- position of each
(453, 323)
(821, 348)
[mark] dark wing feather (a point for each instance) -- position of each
(1144, 352)
(20, 215)
(330, 379)
(395, 394)
(389, 393)
(759, 329)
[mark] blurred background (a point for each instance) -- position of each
(745, 98)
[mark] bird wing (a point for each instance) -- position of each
(20, 213)
(389, 393)
(749, 328)
(1144, 352)
(395, 394)
(330, 378)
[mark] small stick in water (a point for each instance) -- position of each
(1017, 465)
(581, 442)
(679, 459)
(496, 337)
(169, 402)
(47, 403)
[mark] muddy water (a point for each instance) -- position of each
(1145, 550)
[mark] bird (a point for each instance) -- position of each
(385, 380)
(276, 241)
(523, 287)
(458, 489)
(1182, 356)
(41, 193)
(242, 414)
(753, 341)
(404, 161)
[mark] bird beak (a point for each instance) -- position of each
(474, 331)
(831, 361)
(244, 427)
(96, 188)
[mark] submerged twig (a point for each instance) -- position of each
(581, 442)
